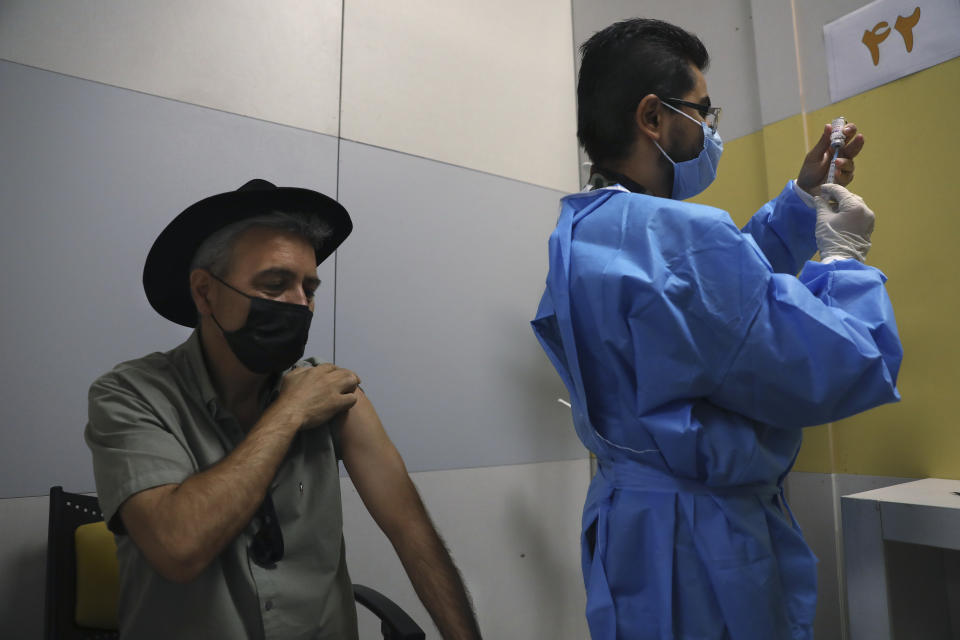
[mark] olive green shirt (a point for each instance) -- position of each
(157, 420)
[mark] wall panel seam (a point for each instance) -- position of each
(445, 163)
(336, 195)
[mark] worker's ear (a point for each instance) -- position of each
(648, 118)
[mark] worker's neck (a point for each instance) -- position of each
(647, 166)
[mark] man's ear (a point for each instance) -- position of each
(200, 290)
(648, 117)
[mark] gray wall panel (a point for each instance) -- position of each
(813, 498)
(23, 563)
(89, 175)
(436, 289)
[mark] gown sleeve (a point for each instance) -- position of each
(784, 231)
(805, 350)
(698, 308)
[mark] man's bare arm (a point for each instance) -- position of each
(381, 479)
(181, 528)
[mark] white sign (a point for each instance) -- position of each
(889, 39)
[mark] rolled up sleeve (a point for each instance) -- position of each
(784, 230)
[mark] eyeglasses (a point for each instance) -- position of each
(267, 546)
(710, 115)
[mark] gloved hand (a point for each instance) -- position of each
(844, 224)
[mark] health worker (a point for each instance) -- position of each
(694, 353)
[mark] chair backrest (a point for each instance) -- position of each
(67, 512)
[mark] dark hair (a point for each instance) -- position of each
(621, 64)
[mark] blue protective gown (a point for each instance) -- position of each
(694, 355)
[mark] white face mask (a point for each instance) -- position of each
(691, 177)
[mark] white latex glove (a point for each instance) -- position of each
(844, 224)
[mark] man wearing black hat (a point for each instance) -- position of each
(216, 462)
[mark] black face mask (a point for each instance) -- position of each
(274, 335)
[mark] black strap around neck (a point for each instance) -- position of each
(600, 178)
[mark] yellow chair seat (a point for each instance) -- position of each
(98, 577)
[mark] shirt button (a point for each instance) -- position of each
(268, 605)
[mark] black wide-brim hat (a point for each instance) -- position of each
(166, 274)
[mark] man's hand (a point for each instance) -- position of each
(317, 394)
(815, 165)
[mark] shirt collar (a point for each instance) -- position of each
(192, 365)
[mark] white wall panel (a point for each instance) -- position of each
(514, 533)
(90, 175)
(811, 17)
(777, 74)
(435, 292)
(485, 85)
(278, 61)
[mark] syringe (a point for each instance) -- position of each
(837, 140)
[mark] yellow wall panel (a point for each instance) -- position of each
(784, 149)
(907, 174)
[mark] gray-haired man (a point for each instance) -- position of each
(216, 462)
